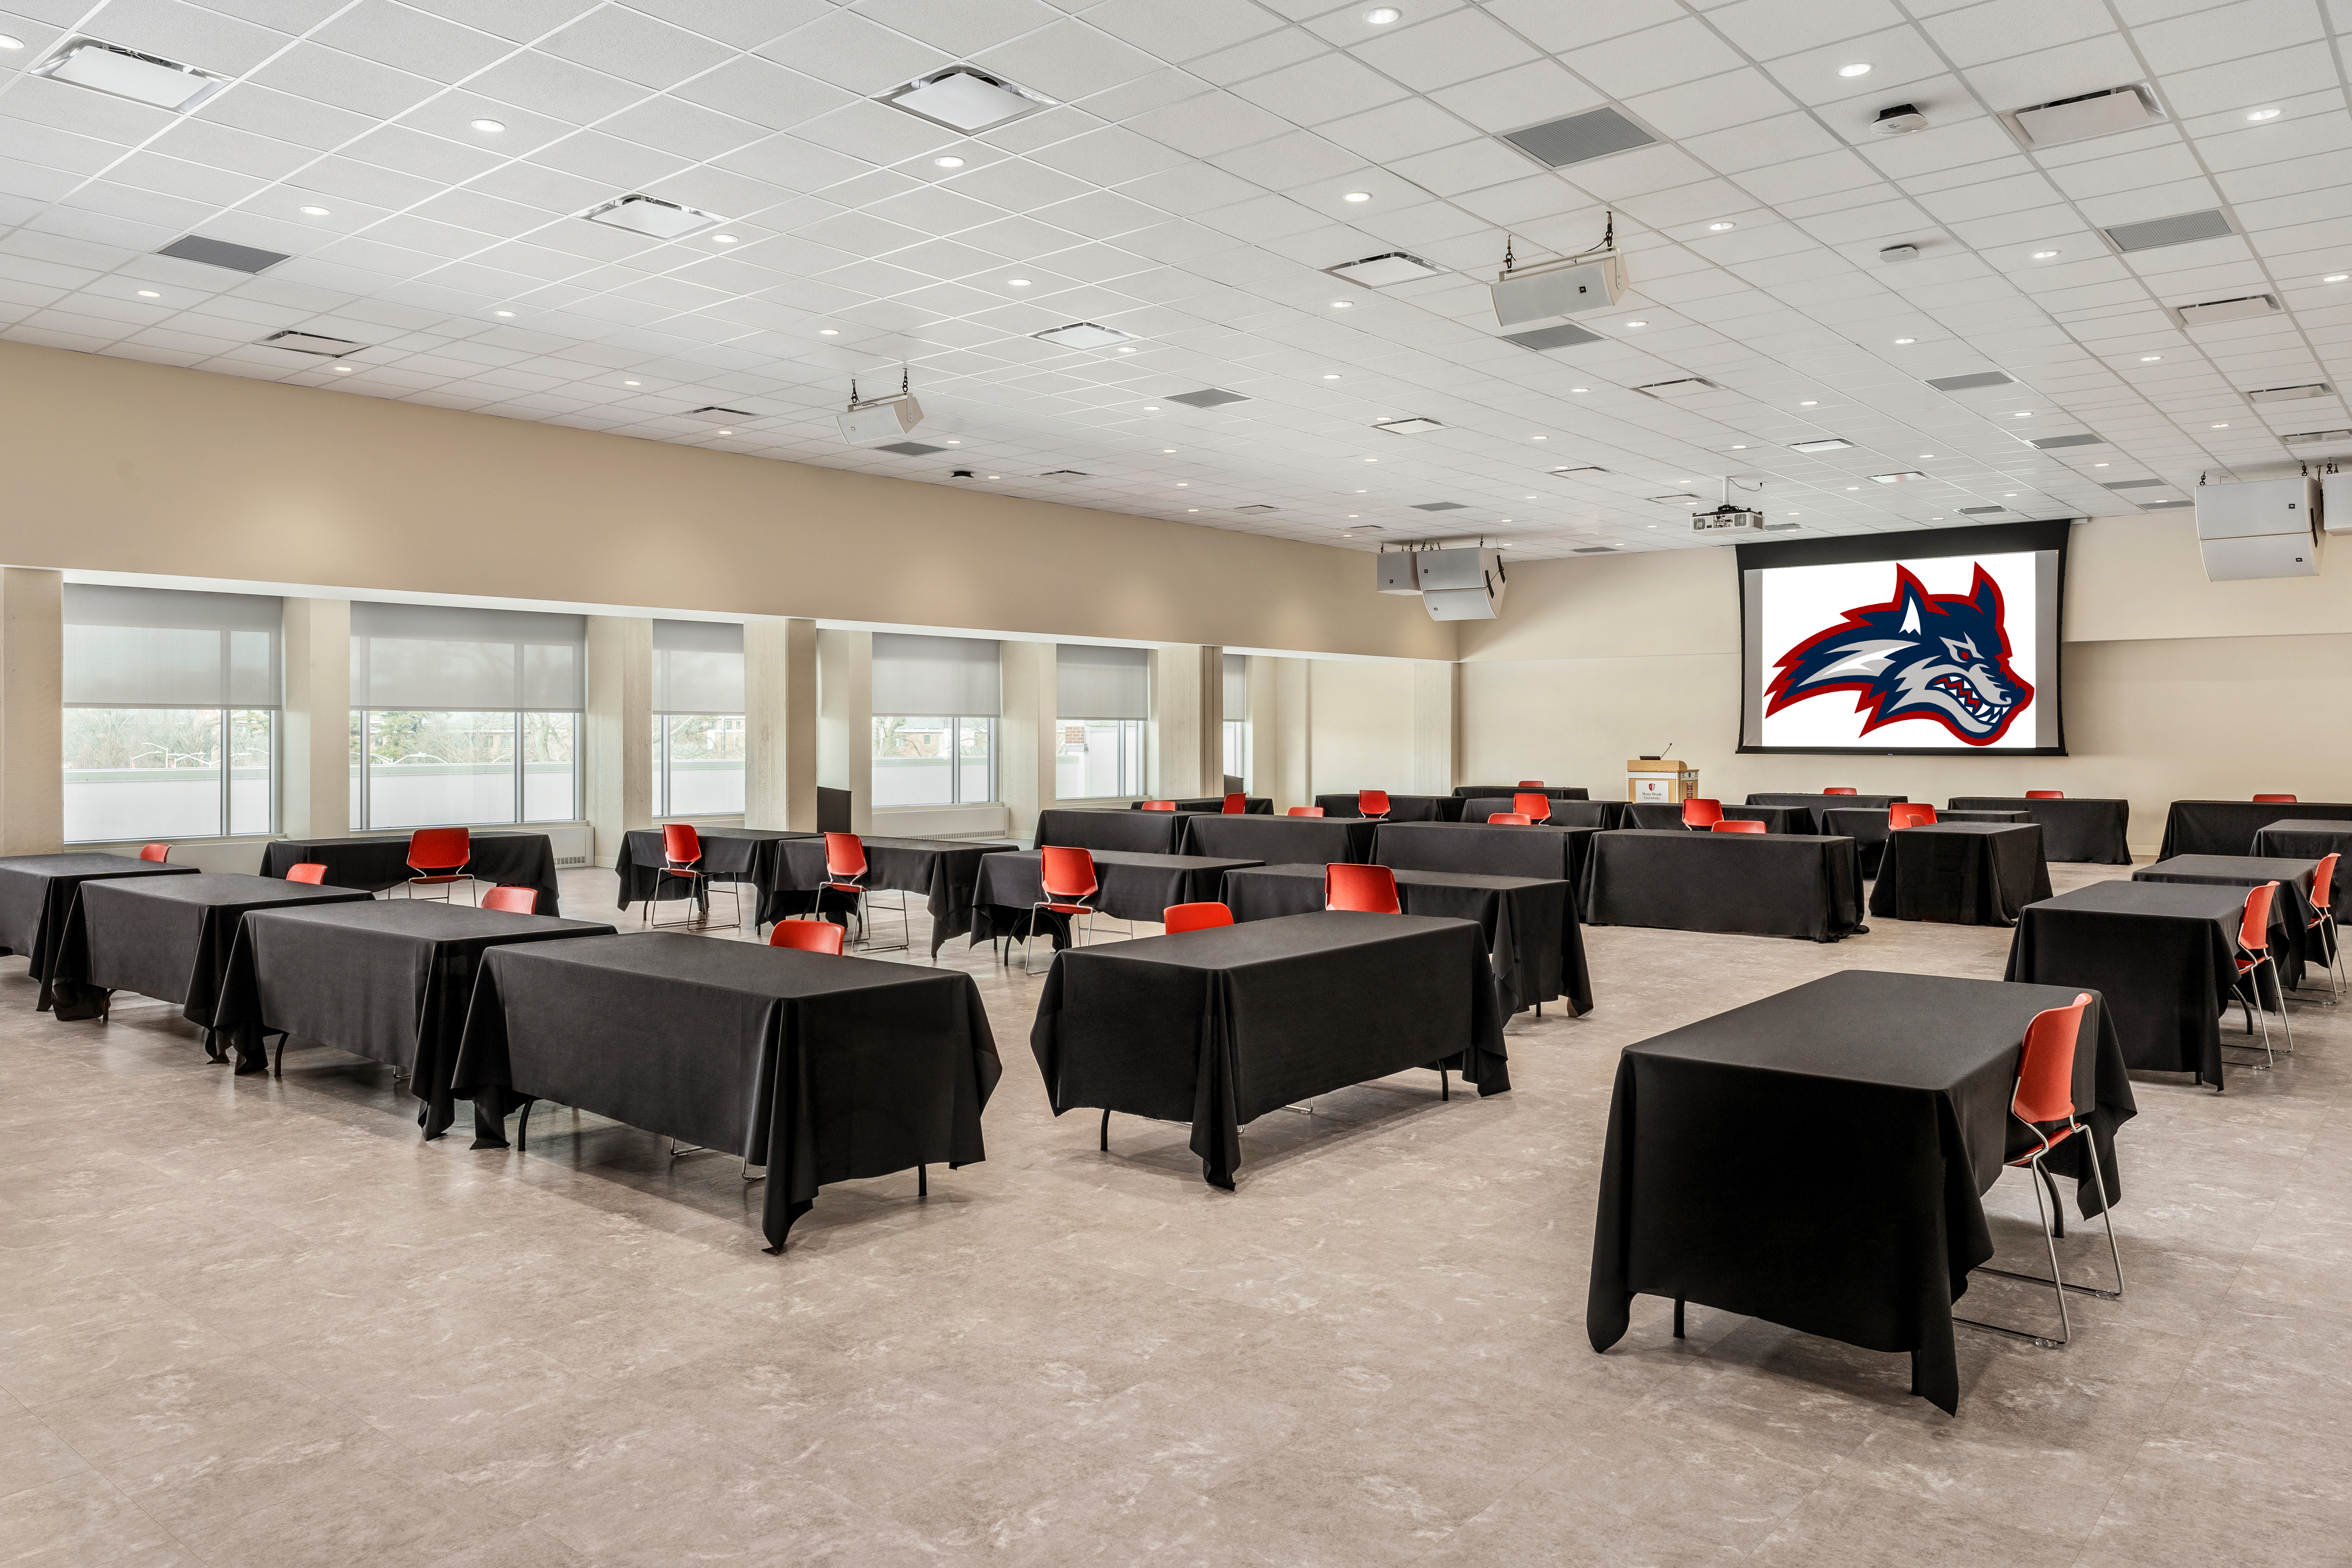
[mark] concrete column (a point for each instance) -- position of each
(315, 793)
(780, 722)
(1281, 734)
(1185, 741)
(617, 753)
(1027, 735)
(1436, 726)
(32, 712)
(845, 724)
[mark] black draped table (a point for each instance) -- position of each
(375, 863)
(1485, 792)
(1285, 839)
(1252, 805)
(1145, 832)
(2291, 903)
(1134, 886)
(167, 937)
(1818, 1158)
(1538, 849)
(1534, 945)
(1868, 829)
(2296, 839)
(1401, 807)
(386, 979)
(734, 855)
(2227, 827)
(1962, 873)
(1775, 819)
(36, 891)
(1217, 1027)
(1813, 805)
(1604, 814)
(943, 869)
(1753, 884)
(2163, 954)
(2087, 829)
(821, 1069)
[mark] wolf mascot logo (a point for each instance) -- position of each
(1943, 656)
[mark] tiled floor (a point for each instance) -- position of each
(257, 1323)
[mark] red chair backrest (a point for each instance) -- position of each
(1737, 825)
(1839, 789)
(681, 843)
(439, 849)
(1534, 807)
(1066, 873)
(1373, 802)
(1156, 806)
(1910, 813)
(1531, 783)
(1700, 811)
(1306, 811)
(2045, 1072)
(1371, 888)
(2274, 800)
(154, 852)
(2254, 931)
(1237, 805)
(807, 936)
(2323, 883)
(307, 871)
(1509, 819)
(2045, 795)
(514, 900)
(1195, 916)
(844, 855)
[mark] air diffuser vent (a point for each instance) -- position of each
(1440, 506)
(652, 216)
(2313, 437)
(1208, 397)
(1065, 475)
(1687, 386)
(1257, 508)
(2135, 484)
(311, 344)
(1826, 444)
(909, 448)
(2084, 116)
(1580, 138)
(1546, 338)
(2206, 313)
(1082, 335)
(1680, 497)
(1381, 271)
(1412, 426)
(1906, 476)
(2288, 393)
(1969, 381)
(1980, 511)
(965, 99)
(221, 253)
(2165, 505)
(2052, 443)
(713, 409)
(2182, 228)
(1594, 550)
(126, 73)
(1582, 469)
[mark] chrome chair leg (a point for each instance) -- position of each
(2057, 1280)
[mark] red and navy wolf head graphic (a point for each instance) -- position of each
(1943, 656)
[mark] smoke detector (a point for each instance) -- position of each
(1899, 121)
(1899, 253)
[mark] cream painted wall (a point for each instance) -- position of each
(119, 466)
(1360, 715)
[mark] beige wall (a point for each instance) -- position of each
(118, 466)
(1361, 712)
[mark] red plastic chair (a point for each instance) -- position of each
(1910, 813)
(1237, 804)
(1306, 811)
(2322, 920)
(514, 900)
(154, 852)
(439, 857)
(1370, 889)
(1531, 783)
(310, 871)
(1066, 878)
(1372, 803)
(2274, 800)
(807, 936)
(2044, 1101)
(2045, 795)
(1839, 789)
(1699, 812)
(1195, 916)
(1156, 806)
(2254, 954)
(1509, 819)
(1737, 825)
(1534, 807)
(845, 870)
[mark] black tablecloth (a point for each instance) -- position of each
(1775, 819)
(2088, 829)
(1401, 807)
(1284, 840)
(1757, 884)
(821, 1069)
(2162, 954)
(1217, 1027)
(1604, 813)
(1483, 792)
(1813, 805)
(386, 979)
(941, 870)
(1867, 829)
(1533, 942)
(502, 860)
(1253, 805)
(35, 891)
(1816, 1159)
(2295, 838)
(1535, 850)
(1134, 887)
(1962, 873)
(2291, 901)
(2227, 827)
(166, 937)
(733, 855)
(1144, 832)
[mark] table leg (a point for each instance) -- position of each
(1678, 1317)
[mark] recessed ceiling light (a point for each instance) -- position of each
(9, 43)
(2026, 414)
(2009, 495)
(2265, 114)
(149, 294)
(1858, 487)
(630, 384)
(1357, 196)
(1343, 304)
(501, 312)
(2149, 359)
(726, 432)
(1165, 450)
(1381, 15)
(1926, 454)
(828, 331)
(1810, 403)
(1637, 324)
(1579, 389)
(1853, 70)
(952, 441)
(1720, 228)
(2222, 427)
(2043, 254)
(1522, 498)
(127, 73)
(1016, 282)
(1741, 448)
(1331, 377)
(1539, 437)
(1184, 484)
(2098, 464)
(342, 369)
(1906, 339)
(490, 127)
(949, 163)
(1151, 409)
(2336, 276)
(996, 476)
(1124, 349)
(314, 211)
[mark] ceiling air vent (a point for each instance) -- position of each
(715, 411)
(909, 448)
(1208, 397)
(1980, 511)
(1594, 550)
(2182, 228)
(1545, 338)
(221, 253)
(1680, 497)
(1906, 476)
(1826, 444)
(2136, 484)
(1257, 510)
(1582, 469)
(965, 99)
(2206, 313)
(1082, 335)
(2050, 443)
(652, 216)
(311, 344)
(2165, 505)
(2086, 115)
(1065, 475)
(1580, 138)
(126, 73)
(2288, 393)
(1969, 381)
(2313, 437)
(1381, 271)
(1687, 386)
(1441, 506)
(1782, 527)
(1411, 426)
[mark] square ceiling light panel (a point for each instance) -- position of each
(1826, 444)
(652, 215)
(1381, 271)
(127, 73)
(964, 99)
(1413, 427)
(1084, 335)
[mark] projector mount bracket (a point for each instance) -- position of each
(857, 403)
(1608, 246)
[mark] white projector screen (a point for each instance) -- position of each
(1937, 643)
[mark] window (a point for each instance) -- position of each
(935, 703)
(170, 713)
(1103, 698)
(1237, 716)
(697, 718)
(465, 716)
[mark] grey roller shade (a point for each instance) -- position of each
(697, 667)
(438, 657)
(947, 676)
(160, 648)
(1237, 687)
(1102, 683)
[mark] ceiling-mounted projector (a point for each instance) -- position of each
(1728, 520)
(1593, 281)
(872, 420)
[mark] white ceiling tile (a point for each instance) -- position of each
(412, 41)
(849, 51)
(1066, 60)
(1327, 87)
(1449, 48)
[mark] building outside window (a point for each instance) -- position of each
(170, 713)
(1237, 716)
(935, 706)
(465, 717)
(698, 735)
(1103, 699)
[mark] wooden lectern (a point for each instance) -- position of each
(1664, 781)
